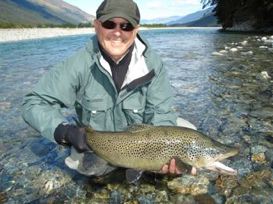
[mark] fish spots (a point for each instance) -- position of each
(146, 148)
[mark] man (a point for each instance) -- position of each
(114, 82)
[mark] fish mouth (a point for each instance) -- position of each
(219, 167)
(232, 152)
(222, 169)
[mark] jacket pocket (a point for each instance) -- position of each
(133, 108)
(95, 113)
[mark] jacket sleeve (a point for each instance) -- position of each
(57, 89)
(159, 105)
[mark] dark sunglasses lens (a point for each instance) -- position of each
(112, 25)
(126, 27)
(109, 24)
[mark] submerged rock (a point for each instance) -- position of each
(217, 54)
(184, 199)
(187, 184)
(259, 158)
(254, 188)
(5, 105)
(226, 184)
(247, 53)
(258, 154)
(116, 198)
(3, 197)
(145, 199)
(234, 49)
(265, 75)
(204, 198)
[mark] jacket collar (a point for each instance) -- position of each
(138, 67)
(138, 70)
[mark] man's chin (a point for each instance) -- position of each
(117, 55)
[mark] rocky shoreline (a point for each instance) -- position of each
(18, 34)
(11, 35)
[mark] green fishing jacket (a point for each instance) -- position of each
(84, 82)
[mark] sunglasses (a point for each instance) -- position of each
(123, 26)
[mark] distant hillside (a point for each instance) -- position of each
(159, 20)
(30, 13)
(203, 18)
(206, 21)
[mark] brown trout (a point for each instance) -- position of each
(148, 148)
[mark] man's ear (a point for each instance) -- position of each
(137, 28)
(96, 24)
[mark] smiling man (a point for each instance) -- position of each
(115, 81)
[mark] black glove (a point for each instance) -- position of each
(73, 136)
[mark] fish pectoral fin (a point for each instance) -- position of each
(182, 166)
(133, 175)
(139, 128)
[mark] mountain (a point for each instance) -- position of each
(192, 17)
(202, 18)
(206, 21)
(159, 20)
(40, 12)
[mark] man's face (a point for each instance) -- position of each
(115, 41)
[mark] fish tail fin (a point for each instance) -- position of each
(89, 130)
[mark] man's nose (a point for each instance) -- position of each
(117, 31)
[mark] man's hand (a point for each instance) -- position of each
(172, 169)
(72, 135)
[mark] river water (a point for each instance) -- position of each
(222, 83)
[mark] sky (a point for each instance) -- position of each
(149, 9)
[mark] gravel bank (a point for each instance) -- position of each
(8, 35)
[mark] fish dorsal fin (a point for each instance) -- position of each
(139, 128)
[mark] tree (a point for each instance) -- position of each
(230, 12)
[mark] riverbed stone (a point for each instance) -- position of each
(116, 198)
(5, 105)
(259, 158)
(226, 184)
(188, 184)
(257, 185)
(185, 199)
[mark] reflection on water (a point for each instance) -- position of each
(222, 84)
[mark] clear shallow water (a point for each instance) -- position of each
(224, 95)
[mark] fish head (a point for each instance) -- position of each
(201, 154)
(226, 152)
(211, 160)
